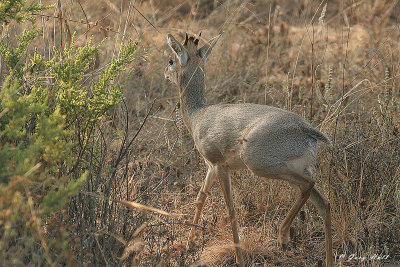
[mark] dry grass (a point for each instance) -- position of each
(337, 68)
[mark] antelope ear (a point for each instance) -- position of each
(206, 49)
(178, 49)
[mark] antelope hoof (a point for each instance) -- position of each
(189, 245)
(284, 240)
(284, 246)
(191, 242)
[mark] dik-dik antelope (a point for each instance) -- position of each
(269, 141)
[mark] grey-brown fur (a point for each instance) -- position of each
(269, 141)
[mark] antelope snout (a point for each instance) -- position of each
(166, 74)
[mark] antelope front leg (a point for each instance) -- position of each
(200, 201)
(226, 186)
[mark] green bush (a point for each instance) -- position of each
(48, 110)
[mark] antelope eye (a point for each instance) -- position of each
(171, 62)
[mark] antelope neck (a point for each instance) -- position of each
(191, 90)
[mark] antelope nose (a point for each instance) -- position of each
(166, 73)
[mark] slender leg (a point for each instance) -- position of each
(323, 206)
(201, 199)
(306, 185)
(226, 186)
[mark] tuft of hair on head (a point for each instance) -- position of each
(196, 41)
(192, 39)
(186, 39)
